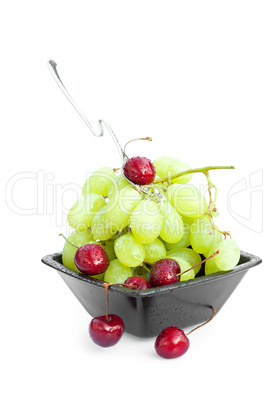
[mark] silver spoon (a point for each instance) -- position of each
(53, 69)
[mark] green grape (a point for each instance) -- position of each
(146, 221)
(99, 276)
(187, 200)
(154, 251)
(184, 265)
(99, 182)
(120, 207)
(217, 240)
(185, 240)
(78, 239)
(188, 255)
(141, 271)
(117, 272)
(129, 251)
(163, 184)
(172, 225)
(82, 212)
(168, 166)
(117, 184)
(229, 254)
(100, 227)
(188, 220)
(109, 248)
(211, 267)
(202, 235)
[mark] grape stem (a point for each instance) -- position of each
(205, 171)
(196, 170)
(144, 266)
(211, 206)
(204, 323)
(211, 201)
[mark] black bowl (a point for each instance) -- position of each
(146, 312)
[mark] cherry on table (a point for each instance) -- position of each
(171, 343)
(106, 330)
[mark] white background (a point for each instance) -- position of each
(192, 75)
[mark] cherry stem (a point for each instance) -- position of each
(125, 285)
(199, 326)
(68, 240)
(197, 170)
(107, 285)
(137, 139)
(201, 262)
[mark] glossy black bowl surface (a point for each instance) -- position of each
(147, 312)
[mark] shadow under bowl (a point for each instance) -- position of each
(147, 312)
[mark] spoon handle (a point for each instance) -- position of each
(53, 69)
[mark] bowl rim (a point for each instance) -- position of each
(252, 260)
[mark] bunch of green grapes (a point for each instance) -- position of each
(138, 229)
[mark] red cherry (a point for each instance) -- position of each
(171, 342)
(105, 330)
(137, 283)
(139, 170)
(91, 259)
(164, 272)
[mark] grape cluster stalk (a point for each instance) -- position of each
(212, 201)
